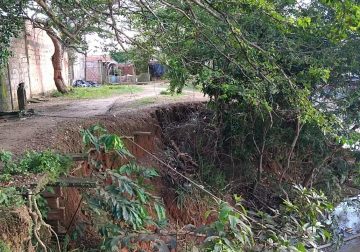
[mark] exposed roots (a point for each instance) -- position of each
(35, 219)
(39, 222)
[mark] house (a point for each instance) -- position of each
(103, 69)
(99, 68)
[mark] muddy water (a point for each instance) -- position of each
(347, 216)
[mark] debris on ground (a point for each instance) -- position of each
(83, 83)
(16, 114)
(37, 100)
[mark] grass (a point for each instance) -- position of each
(153, 100)
(144, 101)
(99, 92)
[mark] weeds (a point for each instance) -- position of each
(144, 101)
(56, 94)
(53, 164)
(231, 231)
(10, 197)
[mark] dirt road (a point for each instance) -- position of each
(19, 135)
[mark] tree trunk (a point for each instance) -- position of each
(297, 134)
(57, 60)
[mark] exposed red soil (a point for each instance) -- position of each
(67, 139)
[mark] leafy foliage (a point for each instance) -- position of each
(300, 223)
(10, 197)
(126, 199)
(48, 162)
(42, 205)
(10, 26)
(139, 57)
(231, 231)
(97, 137)
(120, 57)
(266, 66)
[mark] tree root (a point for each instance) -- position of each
(185, 158)
(37, 225)
(38, 220)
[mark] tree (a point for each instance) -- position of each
(120, 56)
(11, 23)
(10, 26)
(272, 69)
(68, 22)
(66, 26)
(265, 63)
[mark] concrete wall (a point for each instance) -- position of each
(40, 50)
(31, 63)
(18, 68)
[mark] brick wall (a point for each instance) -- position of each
(31, 63)
(40, 50)
(18, 67)
(93, 71)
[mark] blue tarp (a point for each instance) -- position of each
(156, 70)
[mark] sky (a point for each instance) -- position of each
(101, 46)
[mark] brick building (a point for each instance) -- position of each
(103, 69)
(98, 68)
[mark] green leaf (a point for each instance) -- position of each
(160, 211)
(233, 222)
(301, 247)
